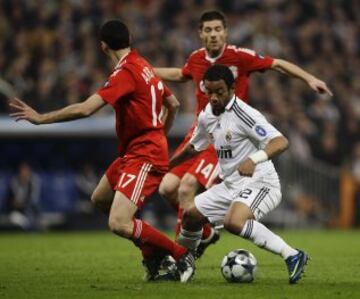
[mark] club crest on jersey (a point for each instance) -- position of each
(260, 131)
(228, 136)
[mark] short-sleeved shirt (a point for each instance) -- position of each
(241, 61)
(238, 132)
(136, 94)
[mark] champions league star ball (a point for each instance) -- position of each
(239, 266)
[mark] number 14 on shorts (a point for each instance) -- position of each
(205, 170)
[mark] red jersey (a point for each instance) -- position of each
(136, 94)
(241, 61)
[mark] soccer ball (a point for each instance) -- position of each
(239, 266)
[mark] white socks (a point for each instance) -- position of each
(265, 238)
(188, 239)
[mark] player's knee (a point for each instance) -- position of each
(188, 188)
(234, 226)
(120, 227)
(167, 190)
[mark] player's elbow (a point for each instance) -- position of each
(283, 143)
(174, 105)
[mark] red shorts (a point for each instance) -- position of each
(136, 179)
(204, 166)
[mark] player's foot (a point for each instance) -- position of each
(186, 266)
(158, 263)
(213, 238)
(151, 267)
(296, 264)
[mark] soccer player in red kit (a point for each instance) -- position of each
(137, 96)
(181, 184)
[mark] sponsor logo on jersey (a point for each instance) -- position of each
(225, 152)
(260, 131)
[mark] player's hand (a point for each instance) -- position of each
(23, 111)
(319, 86)
(247, 168)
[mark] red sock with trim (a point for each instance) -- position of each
(147, 234)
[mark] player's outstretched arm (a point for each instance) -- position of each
(172, 105)
(291, 69)
(274, 148)
(22, 111)
(187, 153)
(170, 74)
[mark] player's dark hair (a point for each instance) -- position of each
(115, 34)
(219, 72)
(212, 15)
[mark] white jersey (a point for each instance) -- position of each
(238, 132)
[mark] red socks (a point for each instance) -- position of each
(154, 239)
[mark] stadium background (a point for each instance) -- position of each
(51, 56)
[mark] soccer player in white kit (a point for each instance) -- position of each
(245, 142)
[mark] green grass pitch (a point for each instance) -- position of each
(101, 265)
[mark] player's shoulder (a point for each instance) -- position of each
(206, 114)
(240, 51)
(199, 53)
(245, 113)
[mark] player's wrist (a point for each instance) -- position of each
(259, 157)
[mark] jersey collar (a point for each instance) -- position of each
(213, 59)
(231, 102)
(118, 65)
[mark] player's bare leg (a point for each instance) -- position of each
(103, 195)
(121, 215)
(239, 220)
(168, 189)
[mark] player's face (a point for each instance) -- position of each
(219, 95)
(213, 36)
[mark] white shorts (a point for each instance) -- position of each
(260, 196)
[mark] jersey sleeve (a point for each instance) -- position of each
(199, 139)
(250, 61)
(186, 69)
(167, 91)
(256, 126)
(119, 84)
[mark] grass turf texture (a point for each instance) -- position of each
(100, 265)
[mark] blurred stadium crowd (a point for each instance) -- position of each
(50, 53)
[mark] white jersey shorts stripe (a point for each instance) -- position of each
(140, 182)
